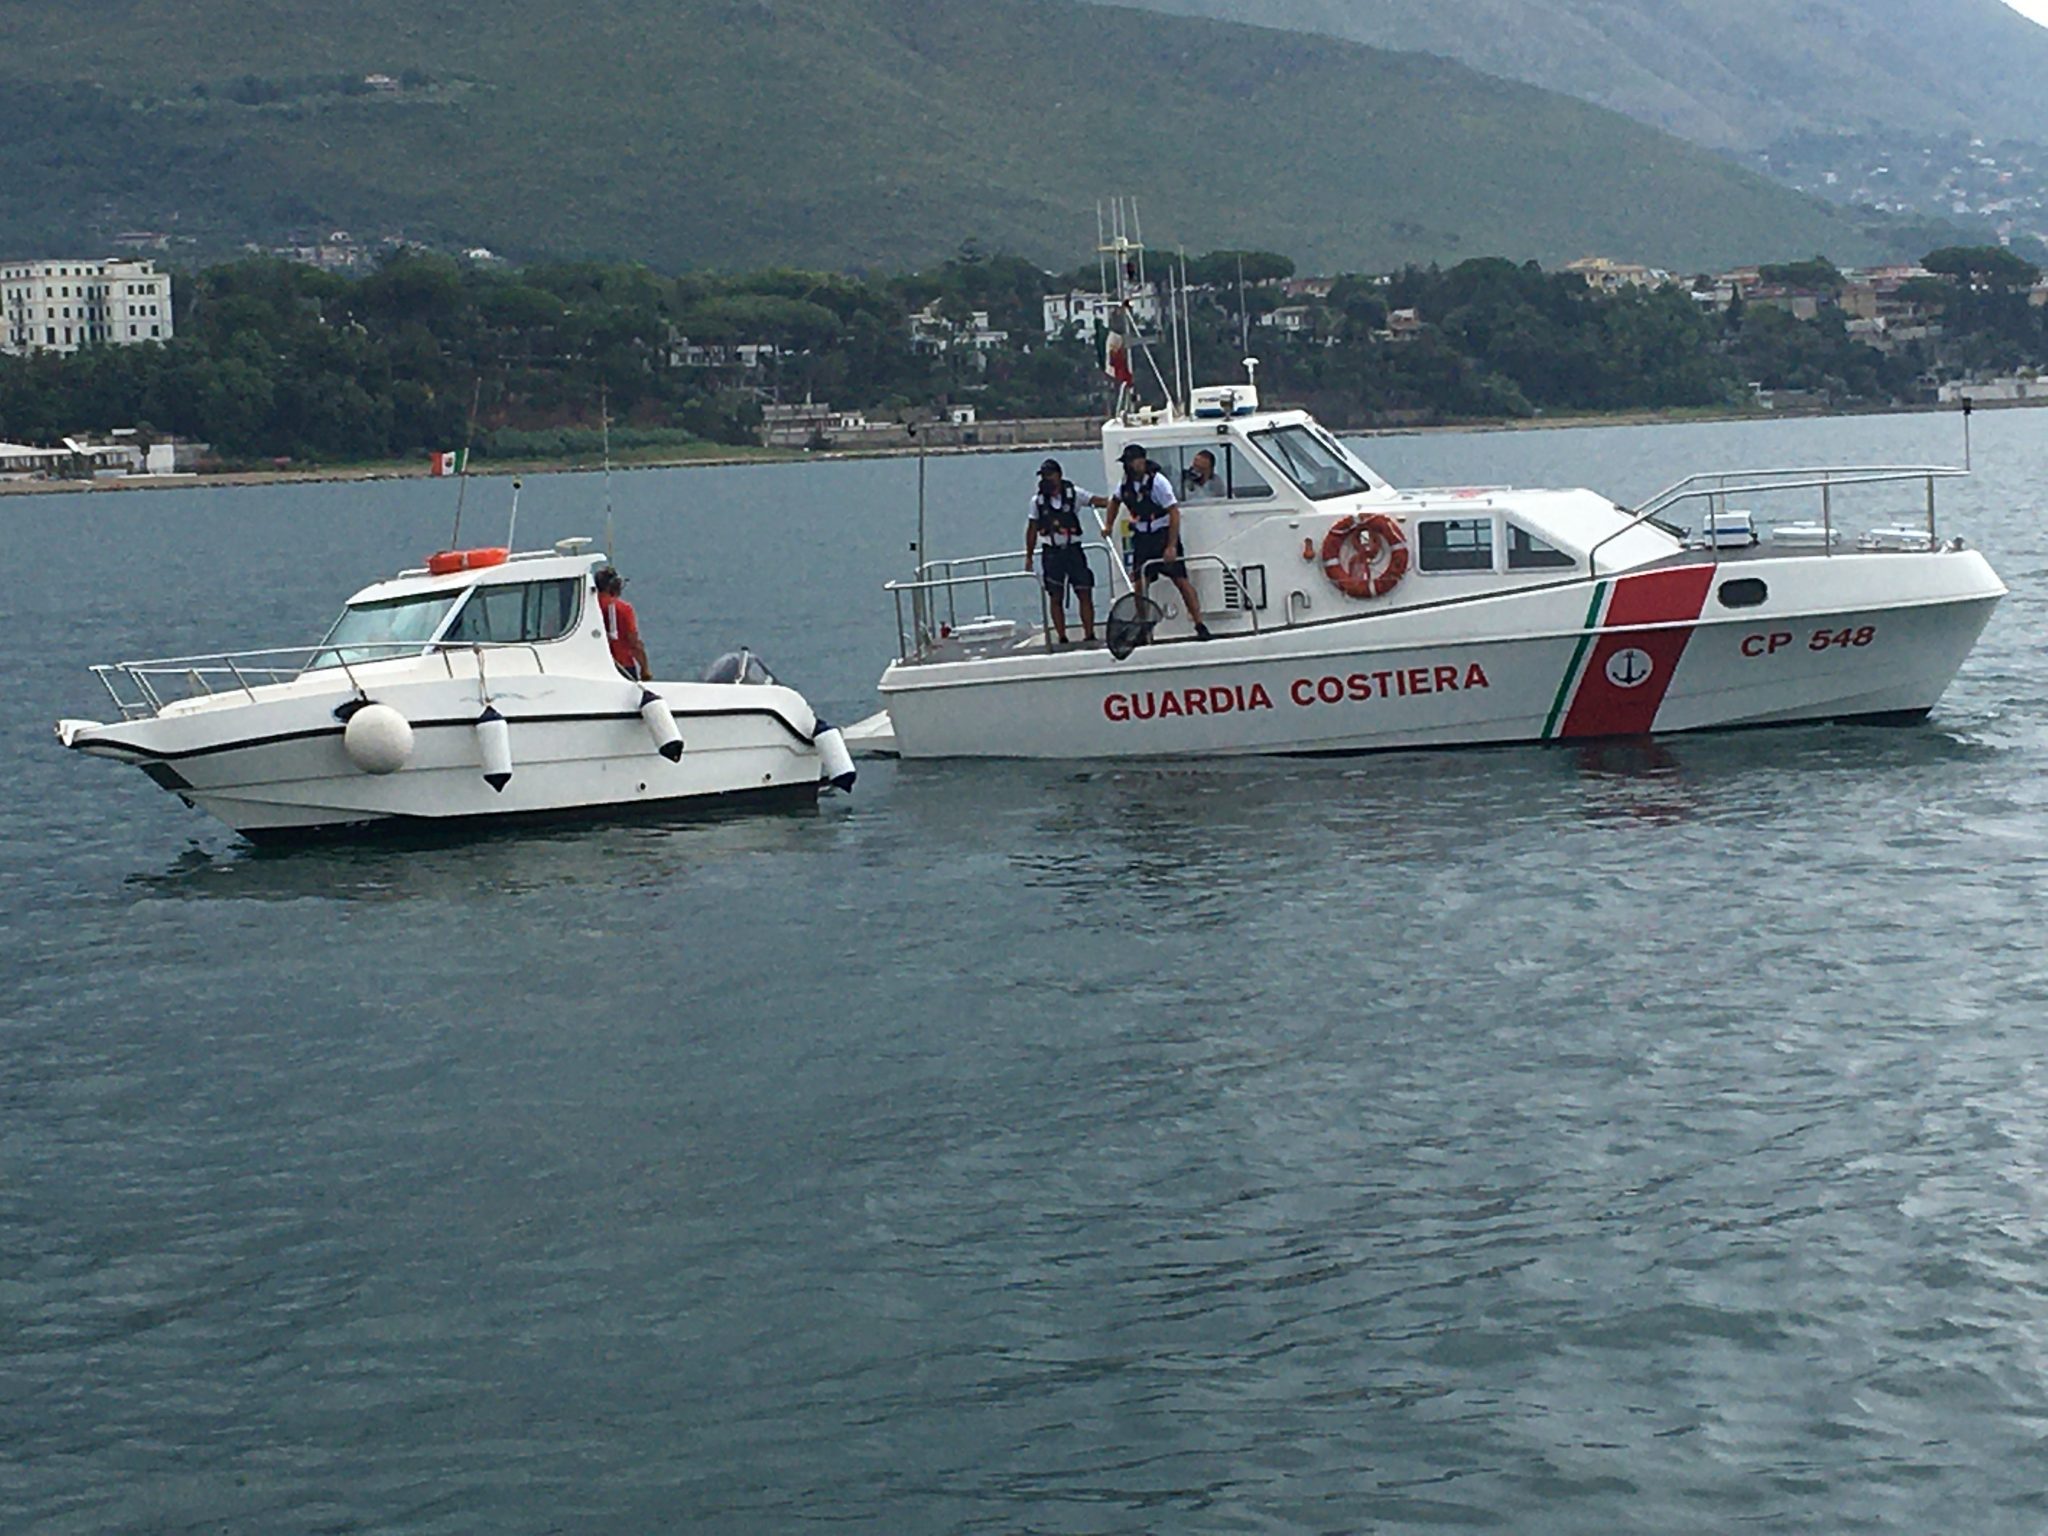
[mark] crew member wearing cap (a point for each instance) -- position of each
(1147, 498)
(621, 628)
(1056, 520)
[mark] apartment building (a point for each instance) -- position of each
(60, 306)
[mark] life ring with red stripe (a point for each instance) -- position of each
(1365, 555)
(445, 562)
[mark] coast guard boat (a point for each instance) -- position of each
(1350, 615)
(474, 690)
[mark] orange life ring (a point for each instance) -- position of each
(446, 562)
(1365, 556)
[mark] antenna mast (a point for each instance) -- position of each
(1175, 298)
(1244, 324)
(462, 483)
(1126, 246)
(604, 418)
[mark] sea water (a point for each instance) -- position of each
(1637, 1136)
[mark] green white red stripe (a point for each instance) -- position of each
(1622, 666)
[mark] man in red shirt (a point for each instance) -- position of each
(621, 629)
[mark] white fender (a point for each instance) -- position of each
(494, 742)
(377, 738)
(835, 763)
(661, 725)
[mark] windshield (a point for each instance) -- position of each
(372, 631)
(1310, 463)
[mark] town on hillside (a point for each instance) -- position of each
(112, 367)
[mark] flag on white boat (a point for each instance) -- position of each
(1116, 358)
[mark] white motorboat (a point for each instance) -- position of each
(1350, 615)
(476, 690)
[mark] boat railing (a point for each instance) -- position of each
(934, 593)
(1715, 488)
(142, 689)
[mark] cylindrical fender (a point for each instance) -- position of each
(494, 744)
(661, 725)
(835, 762)
(377, 738)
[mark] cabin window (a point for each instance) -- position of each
(1456, 544)
(1743, 592)
(1243, 477)
(1235, 478)
(1526, 552)
(373, 631)
(1312, 464)
(516, 613)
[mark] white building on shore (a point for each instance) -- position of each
(1083, 316)
(60, 306)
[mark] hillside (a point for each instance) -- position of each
(848, 133)
(1736, 74)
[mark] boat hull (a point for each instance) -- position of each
(433, 830)
(1652, 651)
(278, 770)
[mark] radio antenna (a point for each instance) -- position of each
(604, 417)
(462, 483)
(1174, 300)
(1244, 324)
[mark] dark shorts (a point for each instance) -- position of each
(1063, 566)
(1149, 562)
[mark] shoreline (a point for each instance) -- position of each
(738, 458)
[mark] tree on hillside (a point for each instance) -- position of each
(1815, 275)
(1930, 293)
(1983, 266)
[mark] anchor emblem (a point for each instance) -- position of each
(1630, 668)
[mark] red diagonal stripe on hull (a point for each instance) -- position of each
(1605, 707)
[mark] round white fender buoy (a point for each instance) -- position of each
(661, 725)
(494, 742)
(835, 763)
(377, 738)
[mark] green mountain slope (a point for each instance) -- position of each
(1736, 74)
(840, 132)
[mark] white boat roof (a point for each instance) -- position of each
(525, 565)
(1575, 519)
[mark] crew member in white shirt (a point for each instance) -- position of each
(1147, 499)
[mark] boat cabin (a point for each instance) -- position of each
(527, 599)
(467, 612)
(1298, 529)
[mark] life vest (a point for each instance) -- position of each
(1059, 520)
(1148, 515)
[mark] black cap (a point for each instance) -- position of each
(1131, 451)
(1050, 467)
(606, 579)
